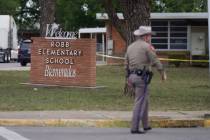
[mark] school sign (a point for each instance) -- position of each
(62, 59)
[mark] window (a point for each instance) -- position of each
(160, 40)
(160, 29)
(178, 46)
(161, 34)
(176, 41)
(170, 35)
(161, 46)
(178, 34)
(159, 23)
(178, 29)
(179, 23)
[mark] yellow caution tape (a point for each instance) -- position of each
(162, 59)
(182, 60)
(109, 56)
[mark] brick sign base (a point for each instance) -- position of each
(63, 62)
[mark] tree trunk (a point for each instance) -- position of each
(135, 12)
(47, 13)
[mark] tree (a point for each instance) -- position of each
(135, 12)
(47, 14)
(75, 14)
(25, 12)
(28, 14)
(179, 5)
(9, 7)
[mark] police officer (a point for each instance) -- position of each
(140, 57)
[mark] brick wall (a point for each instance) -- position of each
(119, 46)
(47, 62)
(119, 43)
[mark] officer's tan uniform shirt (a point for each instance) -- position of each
(139, 55)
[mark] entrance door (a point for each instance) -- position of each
(198, 43)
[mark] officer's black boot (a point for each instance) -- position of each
(137, 132)
(147, 128)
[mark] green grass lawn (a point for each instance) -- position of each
(185, 89)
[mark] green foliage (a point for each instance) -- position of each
(25, 14)
(9, 7)
(28, 14)
(72, 15)
(179, 6)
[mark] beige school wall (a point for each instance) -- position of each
(199, 29)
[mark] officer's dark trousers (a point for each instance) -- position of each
(140, 109)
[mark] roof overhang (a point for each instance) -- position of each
(104, 16)
(92, 30)
(179, 15)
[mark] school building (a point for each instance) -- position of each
(178, 35)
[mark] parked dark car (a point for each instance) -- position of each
(24, 53)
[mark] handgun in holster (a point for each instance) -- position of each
(147, 75)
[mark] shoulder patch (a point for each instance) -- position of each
(152, 48)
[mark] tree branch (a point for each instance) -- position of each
(116, 22)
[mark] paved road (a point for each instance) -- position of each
(13, 66)
(64, 133)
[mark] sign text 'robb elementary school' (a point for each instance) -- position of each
(60, 59)
(66, 57)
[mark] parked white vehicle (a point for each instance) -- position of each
(14, 54)
(8, 37)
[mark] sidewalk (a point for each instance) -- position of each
(103, 118)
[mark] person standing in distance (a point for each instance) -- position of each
(139, 59)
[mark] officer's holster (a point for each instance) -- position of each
(145, 74)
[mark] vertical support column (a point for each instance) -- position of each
(189, 44)
(169, 35)
(103, 46)
(209, 31)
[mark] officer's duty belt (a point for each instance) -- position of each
(145, 74)
(138, 72)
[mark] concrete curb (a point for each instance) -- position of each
(101, 123)
(207, 123)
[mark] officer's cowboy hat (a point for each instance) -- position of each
(143, 30)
